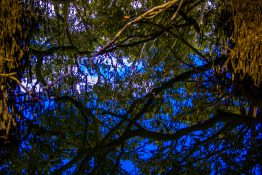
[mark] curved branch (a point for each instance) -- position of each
(148, 14)
(169, 84)
(52, 50)
(85, 112)
(167, 29)
(222, 116)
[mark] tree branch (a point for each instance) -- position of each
(52, 50)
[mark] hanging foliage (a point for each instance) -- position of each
(246, 55)
(14, 43)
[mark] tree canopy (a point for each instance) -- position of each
(174, 87)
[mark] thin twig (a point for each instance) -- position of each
(21, 85)
(148, 14)
(174, 16)
(8, 75)
(54, 82)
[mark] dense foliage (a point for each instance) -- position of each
(172, 87)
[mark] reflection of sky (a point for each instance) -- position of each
(29, 85)
(128, 166)
(147, 152)
(93, 78)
